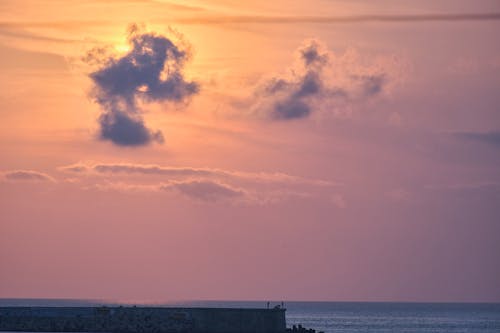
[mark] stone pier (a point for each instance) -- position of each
(142, 320)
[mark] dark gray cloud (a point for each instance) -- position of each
(310, 85)
(152, 71)
(311, 54)
(291, 108)
(492, 137)
(126, 130)
(371, 84)
(27, 175)
(205, 190)
(291, 95)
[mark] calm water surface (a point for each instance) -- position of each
(350, 317)
(396, 317)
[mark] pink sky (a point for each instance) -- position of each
(303, 157)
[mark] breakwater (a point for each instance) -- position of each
(142, 320)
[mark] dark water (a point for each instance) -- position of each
(351, 317)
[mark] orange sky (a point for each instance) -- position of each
(367, 173)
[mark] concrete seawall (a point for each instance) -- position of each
(142, 319)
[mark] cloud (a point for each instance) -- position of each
(203, 184)
(492, 137)
(21, 34)
(170, 171)
(122, 187)
(152, 71)
(205, 190)
(27, 175)
(126, 130)
(313, 54)
(75, 168)
(311, 85)
(371, 84)
(485, 185)
(340, 19)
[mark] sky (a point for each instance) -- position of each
(327, 150)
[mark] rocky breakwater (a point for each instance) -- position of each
(300, 329)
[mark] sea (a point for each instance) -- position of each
(346, 317)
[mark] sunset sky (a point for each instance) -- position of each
(250, 150)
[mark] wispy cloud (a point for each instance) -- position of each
(484, 185)
(340, 19)
(27, 176)
(262, 19)
(200, 184)
(492, 137)
(170, 171)
(18, 33)
(205, 190)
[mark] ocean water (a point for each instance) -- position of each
(351, 317)
(396, 317)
